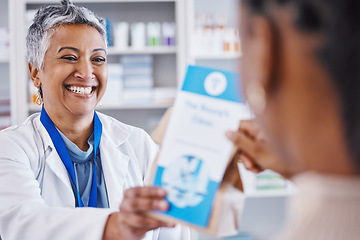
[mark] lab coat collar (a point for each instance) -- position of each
(113, 132)
(113, 136)
(53, 159)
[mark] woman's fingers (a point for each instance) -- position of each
(251, 145)
(145, 192)
(254, 150)
(130, 226)
(249, 164)
(140, 199)
(143, 222)
(249, 127)
(243, 142)
(141, 204)
(131, 222)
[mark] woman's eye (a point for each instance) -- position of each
(69, 58)
(98, 60)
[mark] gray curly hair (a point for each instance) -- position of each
(49, 17)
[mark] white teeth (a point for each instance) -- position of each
(87, 90)
(81, 90)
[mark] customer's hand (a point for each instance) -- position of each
(254, 151)
(131, 222)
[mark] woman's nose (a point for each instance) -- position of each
(84, 71)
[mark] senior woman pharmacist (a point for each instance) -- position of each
(65, 172)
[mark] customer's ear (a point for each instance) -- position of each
(264, 52)
(34, 72)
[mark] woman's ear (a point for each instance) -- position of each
(264, 52)
(259, 61)
(34, 72)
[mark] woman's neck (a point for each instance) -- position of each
(76, 129)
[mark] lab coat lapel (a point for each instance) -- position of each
(53, 160)
(114, 162)
(115, 168)
(56, 165)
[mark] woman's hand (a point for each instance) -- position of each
(254, 151)
(131, 222)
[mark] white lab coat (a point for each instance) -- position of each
(36, 198)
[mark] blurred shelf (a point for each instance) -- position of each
(4, 60)
(217, 56)
(96, 1)
(271, 193)
(130, 106)
(117, 106)
(146, 50)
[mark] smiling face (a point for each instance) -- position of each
(74, 74)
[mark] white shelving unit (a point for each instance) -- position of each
(96, 1)
(111, 106)
(217, 56)
(214, 59)
(147, 50)
(169, 63)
